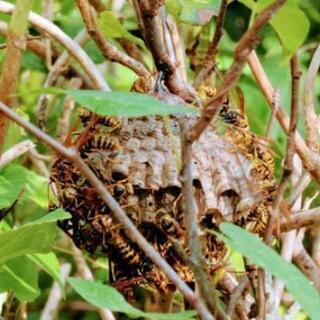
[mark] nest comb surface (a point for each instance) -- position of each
(139, 160)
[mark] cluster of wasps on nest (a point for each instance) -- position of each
(252, 217)
(158, 214)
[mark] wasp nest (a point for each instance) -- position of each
(138, 160)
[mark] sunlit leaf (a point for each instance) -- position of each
(290, 23)
(260, 254)
(50, 264)
(35, 237)
(104, 296)
(195, 12)
(125, 104)
(15, 178)
(20, 275)
(111, 27)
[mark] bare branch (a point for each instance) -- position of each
(51, 308)
(193, 230)
(154, 29)
(131, 230)
(15, 152)
(246, 44)
(210, 58)
(107, 49)
(236, 294)
(311, 121)
(288, 163)
(300, 219)
(310, 159)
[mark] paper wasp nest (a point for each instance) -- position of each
(139, 162)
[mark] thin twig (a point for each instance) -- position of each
(131, 230)
(51, 308)
(246, 44)
(108, 50)
(236, 294)
(310, 159)
(85, 272)
(15, 152)
(59, 66)
(210, 58)
(66, 112)
(275, 106)
(288, 163)
(193, 231)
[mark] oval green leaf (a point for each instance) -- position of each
(126, 104)
(104, 296)
(260, 254)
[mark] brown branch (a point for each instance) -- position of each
(131, 230)
(16, 44)
(191, 212)
(108, 50)
(261, 298)
(310, 159)
(288, 163)
(311, 120)
(300, 219)
(210, 58)
(236, 294)
(98, 5)
(275, 106)
(307, 264)
(246, 44)
(154, 29)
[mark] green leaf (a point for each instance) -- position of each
(21, 276)
(260, 254)
(53, 216)
(104, 296)
(32, 238)
(111, 27)
(194, 12)
(15, 178)
(125, 104)
(50, 264)
(290, 23)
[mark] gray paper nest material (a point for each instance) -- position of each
(150, 158)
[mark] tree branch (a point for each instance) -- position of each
(108, 50)
(310, 159)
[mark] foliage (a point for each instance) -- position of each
(32, 248)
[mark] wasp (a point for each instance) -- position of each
(101, 142)
(86, 116)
